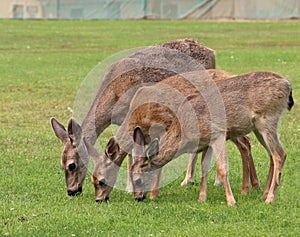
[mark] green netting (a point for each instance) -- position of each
(94, 9)
(275, 9)
(150, 9)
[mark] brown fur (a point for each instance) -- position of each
(165, 114)
(190, 47)
(151, 114)
(252, 102)
(146, 66)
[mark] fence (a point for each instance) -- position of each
(150, 9)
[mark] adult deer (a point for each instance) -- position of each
(148, 116)
(249, 102)
(144, 67)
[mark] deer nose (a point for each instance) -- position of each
(103, 200)
(76, 192)
(72, 166)
(141, 197)
(71, 193)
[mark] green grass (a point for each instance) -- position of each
(42, 64)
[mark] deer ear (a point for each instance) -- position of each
(74, 131)
(138, 136)
(153, 149)
(91, 150)
(112, 149)
(59, 130)
(139, 141)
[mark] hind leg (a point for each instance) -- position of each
(271, 168)
(269, 179)
(278, 157)
(267, 130)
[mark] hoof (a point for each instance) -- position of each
(218, 183)
(187, 181)
(245, 191)
(154, 194)
(256, 187)
(270, 199)
(265, 195)
(231, 203)
(202, 198)
(129, 189)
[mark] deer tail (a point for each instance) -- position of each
(291, 101)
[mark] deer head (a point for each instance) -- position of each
(106, 168)
(74, 158)
(141, 181)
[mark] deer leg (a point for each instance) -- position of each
(271, 168)
(219, 148)
(253, 175)
(245, 164)
(155, 190)
(269, 179)
(205, 166)
(218, 179)
(129, 187)
(190, 171)
(249, 171)
(278, 160)
(278, 156)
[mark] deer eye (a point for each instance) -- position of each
(112, 156)
(138, 182)
(102, 182)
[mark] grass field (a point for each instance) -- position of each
(43, 63)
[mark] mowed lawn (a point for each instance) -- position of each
(43, 64)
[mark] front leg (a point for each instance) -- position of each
(218, 179)
(219, 148)
(249, 171)
(190, 171)
(129, 187)
(155, 189)
(205, 166)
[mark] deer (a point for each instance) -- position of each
(251, 102)
(120, 82)
(107, 165)
(243, 145)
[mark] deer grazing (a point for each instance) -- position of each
(202, 121)
(144, 67)
(243, 145)
(149, 115)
